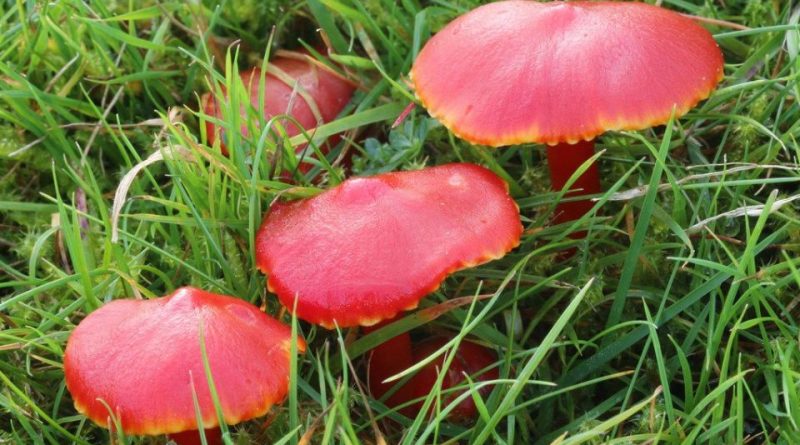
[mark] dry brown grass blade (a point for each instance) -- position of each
(121, 195)
(432, 313)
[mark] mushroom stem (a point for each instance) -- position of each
(387, 359)
(192, 437)
(563, 160)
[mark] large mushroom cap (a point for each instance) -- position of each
(521, 71)
(142, 359)
(372, 247)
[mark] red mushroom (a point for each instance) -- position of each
(319, 96)
(470, 359)
(141, 361)
(372, 247)
(562, 73)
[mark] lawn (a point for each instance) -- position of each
(671, 321)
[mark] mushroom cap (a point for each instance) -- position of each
(517, 71)
(470, 359)
(372, 247)
(324, 90)
(142, 359)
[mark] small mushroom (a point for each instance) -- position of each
(294, 85)
(562, 73)
(372, 247)
(470, 359)
(140, 361)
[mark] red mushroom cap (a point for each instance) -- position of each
(142, 359)
(320, 96)
(372, 247)
(470, 359)
(521, 71)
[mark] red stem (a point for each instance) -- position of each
(563, 160)
(387, 359)
(213, 437)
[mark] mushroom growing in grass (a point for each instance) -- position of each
(139, 364)
(470, 360)
(561, 74)
(370, 248)
(295, 85)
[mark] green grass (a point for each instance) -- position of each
(658, 330)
